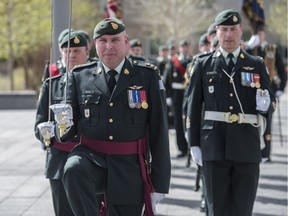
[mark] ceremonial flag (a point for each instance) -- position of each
(254, 11)
(114, 9)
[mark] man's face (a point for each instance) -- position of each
(112, 49)
(229, 36)
(77, 56)
(136, 51)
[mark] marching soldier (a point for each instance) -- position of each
(177, 78)
(273, 61)
(119, 112)
(229, 95)
(57, 153)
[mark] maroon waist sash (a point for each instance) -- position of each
(124, 148)
(66, 147)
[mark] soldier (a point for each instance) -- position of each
(229, 95)
(57, 153)
(273, 60)
(177, 78)
(118, 109)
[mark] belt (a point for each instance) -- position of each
(231, 118)
(123, 148)
(180, 86)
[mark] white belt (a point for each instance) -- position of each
(230, 118)
(178, 85)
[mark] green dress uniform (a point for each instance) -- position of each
(230, 144)
(57, 153)
(134, 110)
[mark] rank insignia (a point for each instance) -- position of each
(188, 125)
(114, 25)
(76, 40)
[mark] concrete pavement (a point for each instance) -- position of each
(24, 191)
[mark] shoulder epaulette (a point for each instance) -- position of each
(144, 64)
(53, 77)
(82, 66)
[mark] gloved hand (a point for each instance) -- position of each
(155, 199)
(262, 100)
(253, 41)
(46, 130)
(278, 93)
(197, 155)
(169, 101)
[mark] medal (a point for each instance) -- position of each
(144, 103)
(137, 99)
(257, 80)
(243, 81)
(252, 84)
(248, 79)
(131, 103)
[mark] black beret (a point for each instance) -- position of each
(76, 40)
(211, 29)
(63, 34)
(135, 43)
(108, 26)
(184, 42)
(203, 39)
(228, 17)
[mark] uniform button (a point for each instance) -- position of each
(111, 104)
(231, 94)
(231, 107)
(110, 137)
(110, 120)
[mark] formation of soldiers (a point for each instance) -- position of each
(175, 62)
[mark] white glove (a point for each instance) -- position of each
(262, 100)
(46, 130)
(253, 41)
(169, 101)
(278, 93)
(197, 155)
(155, 199)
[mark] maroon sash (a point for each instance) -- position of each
(123, 148)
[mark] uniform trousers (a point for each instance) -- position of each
(266, 151)
(60, 202)
(81, 179)
(177, 98)
(230, 187)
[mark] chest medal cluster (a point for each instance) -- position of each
(250, 79)
(137, 98)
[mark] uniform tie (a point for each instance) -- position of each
(231, 62)
(112, 80)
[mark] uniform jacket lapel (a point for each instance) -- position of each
(100, 80)
(240, 60)
(219, 60)
(125, 79)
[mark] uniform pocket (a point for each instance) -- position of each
(89, 108)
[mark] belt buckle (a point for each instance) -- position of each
(233, 118)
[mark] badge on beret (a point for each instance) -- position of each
(235, 19)
(114, 25)
(76, 40)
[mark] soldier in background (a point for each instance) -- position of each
(57, 153)
(176, 75)
(278, 77)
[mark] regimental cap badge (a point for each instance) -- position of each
(76, 40)
(235, 19)
(114, 25)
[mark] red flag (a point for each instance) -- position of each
(114, 9)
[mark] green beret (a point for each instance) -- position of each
(184, 42)
(203, 39)
(63, 34)
(135, 43)
(211, 29)
(76, 40)
(108, 26)
(228, 17)
(85, 34)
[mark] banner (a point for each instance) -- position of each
(114, 9)
(254, 11)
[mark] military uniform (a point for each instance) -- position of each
(278, 77)
(221, 119)
(177, 73)
(57, 153)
